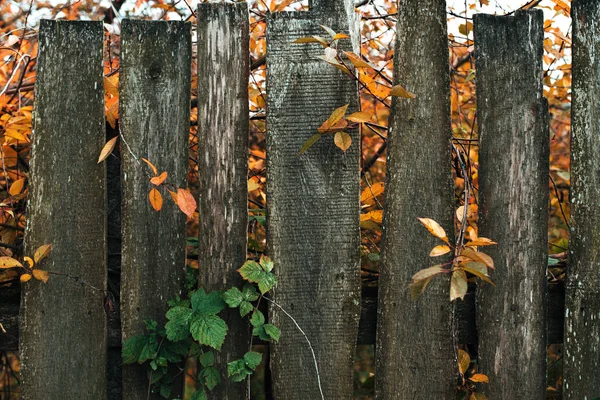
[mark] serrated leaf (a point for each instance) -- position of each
(434, 228)
(132, 347)
(186, 202)
(155, 198)
(252, 359)
(251, 271)
(312, 140)
(245, 308)
(261, 333)
(463, 361)
(266, 282)
(157, 180)
(107, 149)
(479, 378)
(257, 319)
(25, 278)
(249, 293)
(427, 273)
(458, 285)
(203, 303)
(9, 262)
(235, 367)
(177, 327)
(42, 252)
(399, 91)
(233, 297)
(208, 329)
(440, 250)
(266, 263)
(199, 394)
(342, 140)
(41, 275)
(207, 359)
(210, 376)
(272, 331)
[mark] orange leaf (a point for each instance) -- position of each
(458, 285)
(111, 84)
(173, 195)
(376, 216)
(42, 252)
(107, 149)
(439, 250)
(16, 187)
(25, 277)
(29, 262)
(356, 60)
(481, 242)
(463, 361)
(478, 256)
(155, 199)
(151, 166)
(157, 180)
(41, 275)
(399, 91)
(9, 262)
(434, 228)
(342, 140)
(479, 378)
(334, 118)
(371, 192)
(359, 116)
(252, 185)
(340, 36)
(186, 202)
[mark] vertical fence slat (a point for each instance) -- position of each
(582, 308)
(63, 324)
(223, 68)
(513, 183)
(313, 212)
(415, 337)
(155, 124)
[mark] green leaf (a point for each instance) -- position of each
(207, 359)
(151, 325)
(252, 359)
(210, 376)
(257, 319)
(178, 324)
(233, 297)
(246, 308)
(266, 282)
(272, 331)
(178, 302)
(199, 394)
(235, 367)
(261, 333)
(251, 271)
(249, 293)
(211, 303)
(209, 330)
(266, 263)
(165, 390)
(312, 140)
(132, 348)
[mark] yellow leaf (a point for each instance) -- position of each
(458, 285)
(481, 242)
(371, 192)
(186, 202)
(151, 166)
(465, 28)
(16, 187)
(370, 225)
(155, 199)
(25, 277)
(111, 84)
(157, 180)
(252, 185)
(12, 133)
(338, 36)
(29, 261)
(42, 252)
(312, 140)
(359, 116)
(312, 39)
(479, 378)
(399, 91)
(342, 140)
(356, 60)
(107, 149)
(376, 216)
(439, 250)
(427, 273)
(41, 275)
(463, 361)
(478, 256)
(336, 64)
(334, 118)
(434, 228)
(330, 31)
(9, 262)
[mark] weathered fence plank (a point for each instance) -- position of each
(415, 360)
(63, 323)
(313, 211)
(154, 118)
(513, 183)
(582, 309)
(223, 70)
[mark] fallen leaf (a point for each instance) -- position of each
(16, 187)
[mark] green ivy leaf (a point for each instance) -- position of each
(178, 324)
(272, 331)
(207, 359)
(209, 330)
(132, 348)
(252, 359)
(210, 376)
(257, 319)
(249, 293)
(233, 297)
(251, 271)
(245, 308)
(211, 303)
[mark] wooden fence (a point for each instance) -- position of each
(69, 347)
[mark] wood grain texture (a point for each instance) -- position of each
(155, 124)
(63, 323)
(415, 352)
(313, 212)
(582, 313)
(513, 179)
(223, 69)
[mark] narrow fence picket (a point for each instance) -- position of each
(313, 211)
(513, 194)
(63, 323)
(582, 308)
(415, 337)
(223, 69)
(155, 124)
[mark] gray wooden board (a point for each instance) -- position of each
(582, 313)
(223, 68)
(313, 212)
(155, 124)
(513, 184)
(63, 323)
(415, 354)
